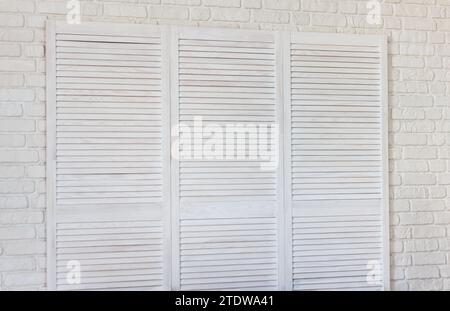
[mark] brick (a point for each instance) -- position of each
(18, 156)
(328, 20)
(401, 259)
(422, 272)
(17, 65)
(16, 263)
(20, 125)
(10, 79)
(427, 205)
(125, 10)
(14, 233)
(417, 74)
(415, 101)
(416, 23)
(17, 217)
(444, 244)
(426, 284)
(221, 3)
(16, 186)
(419, 126)
(300, 18)
(37, 140)
(271, 17)
(319, 6)
(168, 12)
(28, 278)
(230, 14)
(416, 49)
(291, 5)
(200, 14)
(428, 258)
(428, 232)
(25, 247)
(12, 141)
(11, 20)
(408, 61)
(401, 232)
(34, 50)
(35, 171)
(399, 205)
(438, 192)
(52, 7)
(399, 285)
(420, 153)
(442, 218)
(11, 172)
(16, 6)
(411, 10)
(182, 2)
(348, 7)
(406, 139)
(421, 245)
(251, 4)
(10, 110)
(418, 179)
(410, 166)
(21, 35)
(9, 50)
(8, 202)
(415, 218)
(409, 193)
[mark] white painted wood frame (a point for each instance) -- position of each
(108, 157)
(336, 176)
(250, 237)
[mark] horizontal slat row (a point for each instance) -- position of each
(109, 254)
(228, 254)
(335, 121)
(108, 111)
(226, 82)
(335, 251)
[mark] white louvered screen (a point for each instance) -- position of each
(336, 172)
(285, 182)
(110, 188)
(227, 208)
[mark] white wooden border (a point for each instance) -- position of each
(166, 144)
(50, 52)
(287, 234)
(383, 42)
(175, 165)
(375, 41)
(54, 28)
(280, 208)
(171, 205)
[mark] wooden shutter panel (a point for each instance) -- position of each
(226, 224)
(109, 186)
(226, 227)
(336, 177)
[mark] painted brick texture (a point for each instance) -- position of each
(419, 82)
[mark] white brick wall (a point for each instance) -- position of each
(419, 31)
